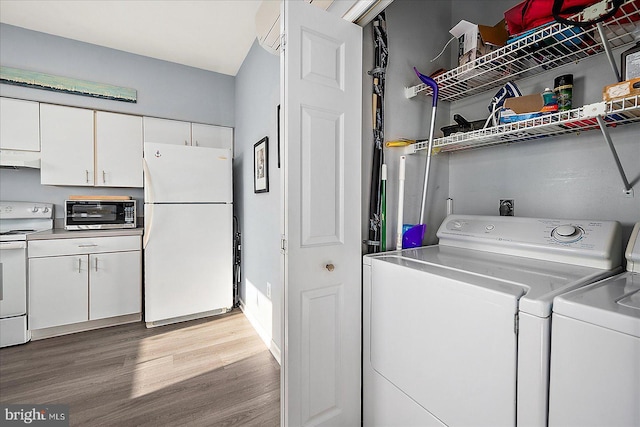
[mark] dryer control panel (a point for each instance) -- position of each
(581, 242)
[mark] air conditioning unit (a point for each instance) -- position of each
(268, 22)
(268, 26)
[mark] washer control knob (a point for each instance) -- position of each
(567, 233)
(45, 209)
(35, 209)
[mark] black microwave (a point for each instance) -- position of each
(99, 214)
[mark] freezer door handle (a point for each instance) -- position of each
(148, 207)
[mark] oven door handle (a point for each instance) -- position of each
(13, 245)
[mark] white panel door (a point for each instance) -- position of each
(118, 150)
(176, 174)
(188, 261)
(115, 284)
(322, 65)
(211, 136)
(167, 131)
(19, 125)
(67, 145)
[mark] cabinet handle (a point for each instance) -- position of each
(90, 245)
(96, 263)
(79, 265)
(104, 177)
(185, 142)
(86, 172)
(197, 144)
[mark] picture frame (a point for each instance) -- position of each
(261, 166)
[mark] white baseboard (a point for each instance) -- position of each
(275, 350)
(264, 335)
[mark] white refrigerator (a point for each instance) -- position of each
(188, 236)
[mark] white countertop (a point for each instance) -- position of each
(61, 233)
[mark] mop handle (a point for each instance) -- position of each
(429, 82)
(400, 202)
(434, 87)
(383, 208)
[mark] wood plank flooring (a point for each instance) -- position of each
(208, 372)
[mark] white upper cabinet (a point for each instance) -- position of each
(81, 147)
(211, 136)
(67, 145)
(19, 125)
(118, 150)
(167, 131)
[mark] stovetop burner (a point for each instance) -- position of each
(13, 232)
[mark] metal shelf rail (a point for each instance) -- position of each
(615, 113)
(601, 115)
(549, 47)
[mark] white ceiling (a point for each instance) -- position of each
(213, 35)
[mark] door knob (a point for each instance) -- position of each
(330, 267)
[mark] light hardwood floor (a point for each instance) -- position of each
(208, 372)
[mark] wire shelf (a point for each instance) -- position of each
(549, 47)
(616, 112)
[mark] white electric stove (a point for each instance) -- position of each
(17, 220)
(459, 333)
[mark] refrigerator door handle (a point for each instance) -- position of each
(148, 214)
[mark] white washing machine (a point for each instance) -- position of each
(595, 358)
(458, 334)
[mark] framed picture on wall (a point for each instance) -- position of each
(261, 166)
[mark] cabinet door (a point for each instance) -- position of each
(167, 131)
(211, 136)
(19, 125)
(58, 291)
(115, 284)
(67, 145)
(118, 150)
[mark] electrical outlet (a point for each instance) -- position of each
(268, 290)
(506, 207)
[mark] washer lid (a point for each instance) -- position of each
(612, 303)
(536, 282)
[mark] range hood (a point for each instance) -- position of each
(20, 159)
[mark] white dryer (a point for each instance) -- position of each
(595, 358)
(458, 334)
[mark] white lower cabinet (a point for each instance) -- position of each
(58, 292)
(77, 280)
(114, 284)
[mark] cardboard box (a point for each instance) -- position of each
(525, 104)
(522, 108)
(475, 40)
(621, 89)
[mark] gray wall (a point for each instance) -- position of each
(257, 97)
(164, 89)
(571, 176)
(417, 32)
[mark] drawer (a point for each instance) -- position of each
(85, 245)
